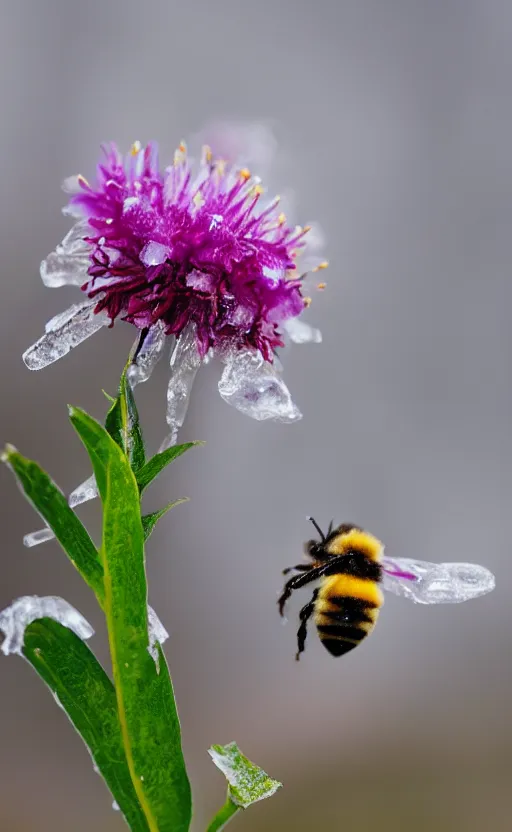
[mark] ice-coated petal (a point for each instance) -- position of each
(15, 619)
(148, 355)
(255, 388)
(157, 634)
(436, 583)
(185, 362)
(64, 332)
(302, 333)
(68, 264)
(64, 269)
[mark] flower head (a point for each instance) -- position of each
(193, 252)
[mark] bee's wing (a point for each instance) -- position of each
(435, 583)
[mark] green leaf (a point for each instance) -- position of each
(145, 699)
(149, 521)
(224, 815)
(87, 695)
(53, 507)
(122, 423)
(158, 462)
(246, 782)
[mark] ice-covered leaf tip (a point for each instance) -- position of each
(247, 783)
(196, 252)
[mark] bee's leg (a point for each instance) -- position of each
(304, 615)
(296, 582)
(301, 567)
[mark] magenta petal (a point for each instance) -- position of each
(191, 247)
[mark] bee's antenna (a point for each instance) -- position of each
(317, 527)
(329, 530)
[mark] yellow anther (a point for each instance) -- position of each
(220, 166)
(323, 265)
(281, 219)
(245, 174)
(306, 229)
(135, 148)
(182, 147)
(307, 302)
(207, 153)
(321, 285)
(257, 190)
(198, 199)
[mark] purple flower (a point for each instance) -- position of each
(193, 253)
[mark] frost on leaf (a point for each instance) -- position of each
(247, 782)
(436, 583)
(15, 619)
(157, 634)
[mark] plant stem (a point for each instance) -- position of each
(223, 816)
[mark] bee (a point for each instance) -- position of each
(352, 569)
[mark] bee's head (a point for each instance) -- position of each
(314, 549)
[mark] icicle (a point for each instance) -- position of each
(63, 332)
(41, 536)
(185, 362)
(15, 619)
(88, 490)
(148, 355)
(254, 387)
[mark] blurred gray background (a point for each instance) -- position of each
(395, 126)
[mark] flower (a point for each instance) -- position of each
(189, 253)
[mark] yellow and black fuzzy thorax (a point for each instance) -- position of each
(349, 598)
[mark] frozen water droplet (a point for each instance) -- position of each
(154, 254)
(149, 354)
(22, 612)
(436, 583)
(302, 333)
(64, 332)
(157, 634)
(88, 490)
(41, 536)
(255, 388)
(68, 264)
(185, 362)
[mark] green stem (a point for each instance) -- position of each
(223, 816)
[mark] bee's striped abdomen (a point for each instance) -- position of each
(346, 610)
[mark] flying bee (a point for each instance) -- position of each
(350, 564)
